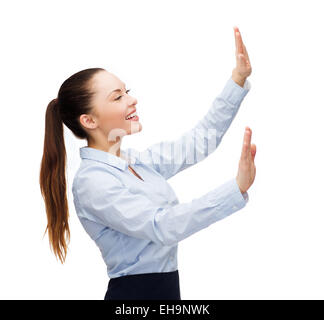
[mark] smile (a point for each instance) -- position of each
(132, 116)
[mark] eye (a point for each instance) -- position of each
(121, 96)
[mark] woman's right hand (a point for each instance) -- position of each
(246, 170)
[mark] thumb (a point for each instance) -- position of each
(241, 58)
(243, 61)
(253, 151)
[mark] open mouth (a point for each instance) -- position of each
(133, 117)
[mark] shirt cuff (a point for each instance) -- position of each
(231, 195)
(246, 196)
(233, 92)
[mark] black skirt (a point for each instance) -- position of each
(145, 286)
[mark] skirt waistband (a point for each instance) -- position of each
(145, 286)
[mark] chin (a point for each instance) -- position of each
(135, 127)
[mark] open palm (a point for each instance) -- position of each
(247, 169)
(243, 66)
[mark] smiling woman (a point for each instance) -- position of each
(88, 112)
(109, 113)
(122, 197)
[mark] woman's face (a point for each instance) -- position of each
(111, 104)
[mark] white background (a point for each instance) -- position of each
(175, 56)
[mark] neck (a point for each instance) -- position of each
(107, 146)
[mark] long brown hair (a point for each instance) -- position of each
(73, 100)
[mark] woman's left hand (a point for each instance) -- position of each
(243, 66)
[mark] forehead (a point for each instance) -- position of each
(104, 82)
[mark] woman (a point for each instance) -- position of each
(122, 197)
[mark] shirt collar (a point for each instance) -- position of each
(107, 157)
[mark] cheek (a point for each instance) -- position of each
(115, 119)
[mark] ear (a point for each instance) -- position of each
(88, 121)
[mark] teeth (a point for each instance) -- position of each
(132, 115)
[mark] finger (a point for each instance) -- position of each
(241, 60)
(236, 30)
(253, 151)
(246, 149)
(239, 41)
(236, 48)
(246, 53)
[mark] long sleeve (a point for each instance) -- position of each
(100, 197)
(170, 157)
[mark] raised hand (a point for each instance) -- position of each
(243, 66)
(246, 170)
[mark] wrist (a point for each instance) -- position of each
(237, 78)
(242, 191)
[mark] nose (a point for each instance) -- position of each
(134, 102)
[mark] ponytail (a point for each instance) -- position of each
(53, 183)
(73, 99)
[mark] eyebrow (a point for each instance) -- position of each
(116, 90)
